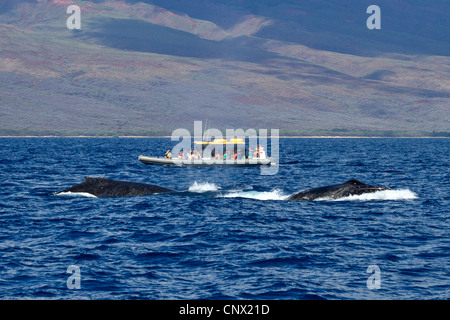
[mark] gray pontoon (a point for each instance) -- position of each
(202, 162)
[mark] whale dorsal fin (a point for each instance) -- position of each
(355, 182)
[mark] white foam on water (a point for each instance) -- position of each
(76, 194)
(203, 187)
(401, 194)
(259, 195)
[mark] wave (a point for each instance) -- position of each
(203, 187)
(75, 194)
(259, 195)
(401, 194)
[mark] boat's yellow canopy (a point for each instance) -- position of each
(222, 141)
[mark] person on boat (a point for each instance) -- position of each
(262, 152)
(168, 154)
(250, 153)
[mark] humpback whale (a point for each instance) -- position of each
(101, 187)
(348, 188)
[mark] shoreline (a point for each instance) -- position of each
(281, 137)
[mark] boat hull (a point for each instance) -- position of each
(203, 162)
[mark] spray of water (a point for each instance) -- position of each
(203, 187)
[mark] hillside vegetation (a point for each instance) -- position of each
(147, 68)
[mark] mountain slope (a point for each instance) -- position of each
(140, 68)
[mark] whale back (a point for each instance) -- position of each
(348, 188)
(355, 182)
(102, 187)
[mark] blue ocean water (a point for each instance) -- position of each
(229, 233)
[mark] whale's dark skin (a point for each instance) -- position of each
(101, 187)
(349, 188)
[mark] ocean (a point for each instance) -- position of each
(228, 232)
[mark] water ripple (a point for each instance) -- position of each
(229, 233)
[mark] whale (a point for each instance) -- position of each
(348, 188)
(102, 187)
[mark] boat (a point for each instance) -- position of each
(208, 153)
(202, 162)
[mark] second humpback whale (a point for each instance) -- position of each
(348, 188)
(101, 187)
